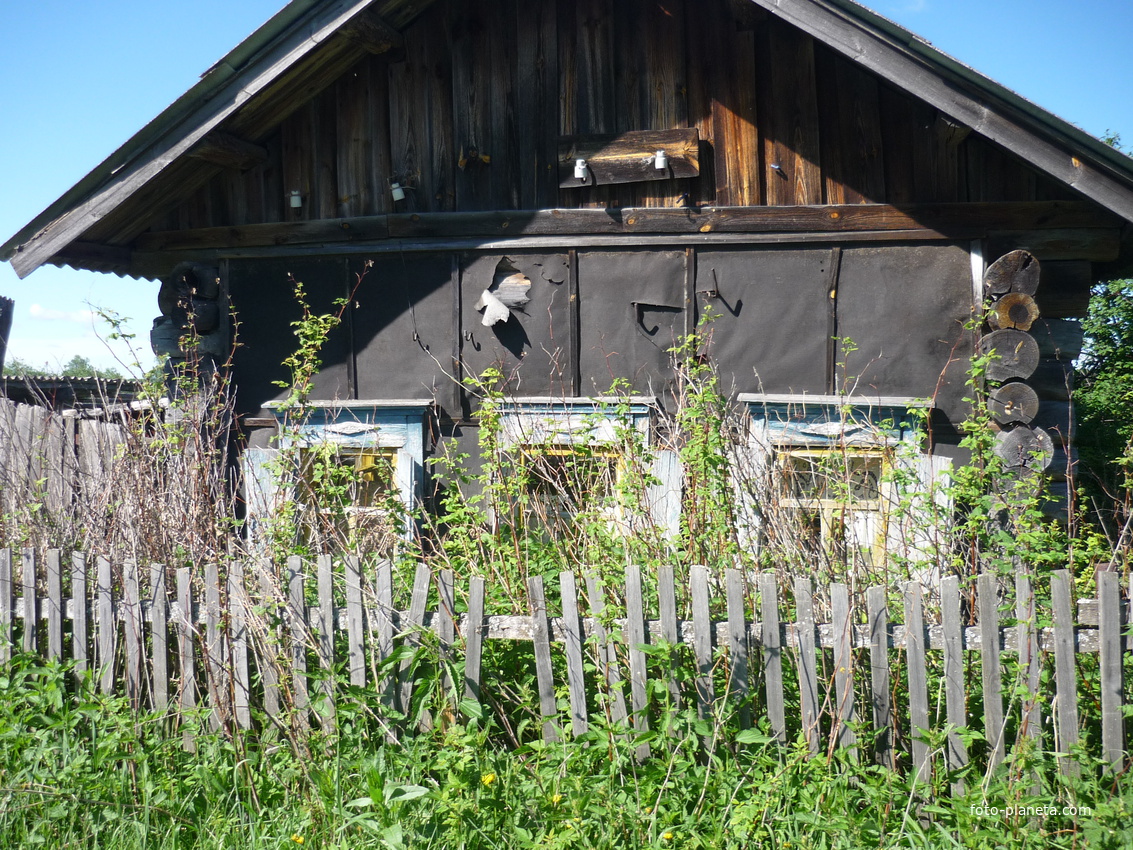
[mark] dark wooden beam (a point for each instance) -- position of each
(370, 30)
(629, 157)
(229, 151)
(93, 256)
(334, 230)
(747, 15)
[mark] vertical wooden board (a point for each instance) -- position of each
(186, 629)
(132, 630)
(918, 681)
(1110, 646)
(355, 623)
(773, 654)
(30, 601)
(635, 637)
(738, 650)
(537, 106)
(474, 638)
(808, 673)
(325, 644)
(159, 635)
(53, 463)
(702, 639)
(215, 655)
(298, 139)
(878, 613)
(789, 111)
(574, 637)
(844, 699)
(472, 68)
(1030, 662)
(383, 626)
(299, 633)
(54, 604)
(956, 711)
(356, 137)
(270, 649)
(990, 668)
(503, 141)
(412, 628)
(273, 198)
(6, 606)
(850, 120)
(544, 674)
(1066, 688)
(107, 626)
(898, 127)
(70, 459)
(607, 657)
(80, 611)
(238, 630)
(670, 627)
(446, 623)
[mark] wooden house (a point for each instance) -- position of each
(563, 189)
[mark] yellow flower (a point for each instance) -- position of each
(556, 799)
(668, 836)
(298, 839)
(488, 778)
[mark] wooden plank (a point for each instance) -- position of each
(789, 115)
(54, 603)
(808, 673)
(537, 106)
(324, 567)
(355, 622)
(159, 634)
(471, 46)
(544, 675)
(844, 707)
(1030, 662)
(6, 606)
(107, 626)
(411, 630)
(270, 650)
(1099, 244)
(772, 655)
(956, 712)
(702, 640)
(132, 629)
(1109, 637)
(667, 610)
(384, 628)
(238, 639)
(635, 637)
(474, 638)
(51, 445)
(878, 613)
(299, 632)
(851, 143)
(216, 666)
(918, 681)
(739, 685)
(991, 670)
(229, 151)
(628, 157)
(185, 631)
(576, 671)
(80, 611)
(446, 623)
(607, 658)
(30, 601)
(1066, 688)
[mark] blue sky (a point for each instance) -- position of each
(79, 78)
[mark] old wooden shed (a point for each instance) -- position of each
(563, 188)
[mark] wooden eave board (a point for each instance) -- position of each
(222, 94)
(970, 99)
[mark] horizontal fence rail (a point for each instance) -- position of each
(885, 673)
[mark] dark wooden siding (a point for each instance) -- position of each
(783, 120)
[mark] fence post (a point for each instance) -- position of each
(297, 625)
(576, 672)
(956, 710)
(878, 613)
(412, 630)
(186, 628)
(918, 680)
(808, 673)
(540, 633)
(325, 645)
(635, 638)
(607, 658)
(702, 640)
(132, 605)
(843, 628)
(107, 626)
(667, 610)
(5, 606)
(1109, 641)
(1066, 693)
(355, 623)
(772, 655)
(738, 643)
(54, 605)
(238, 631)
(159, 631)
(80, 612)
(474, 638)
(30, 606)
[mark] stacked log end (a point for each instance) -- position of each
(1030, 373)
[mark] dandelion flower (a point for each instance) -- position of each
(488, 778)
(556, 799)
(298, 839)
(668, 836)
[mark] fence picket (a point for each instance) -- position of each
(299, 632)
(186, 629)
(702, 632)
(607, 657)
(1066, 688)
(738, 648)
(107, 626)
(384, 627)
(268, 662)
(544, 675)
(845, 711)
(877, 610)
(6, 606)
(635, 639)
(1109, 647)
(159, 635)
(355, 623)
(573, 636)
(30, 602)
(446, 622)
(412, 630)
(324, 567)
(80, 612)
(990, 668)
(670, 628)
(238, 630)
(132, 630)
(54, 605)
(1029, 662)
(917, 673)
(474, 638)
(772, 655)
(956, 710)
(808, 672)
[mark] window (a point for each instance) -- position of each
(819, 473)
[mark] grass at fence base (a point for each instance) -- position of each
(78, 769)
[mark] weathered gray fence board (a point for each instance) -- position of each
(355, 622)
(412, 628)
(132, 628)
(300, 633)
(6, 605)
(80, 611)
(54, 603)
(185, 633)
(635, 640)
(667, 611)
(772, 655)
(1109, 623)
(702, 639)
(474, 638)
(159, 635)
(607, 659)
(324, 632)
(31, 601)
(845, 714)
(878, 620)
(956, 710)
(544, 675)
(808, 673)
(990, 668)
(238, 640)
(1066, 688)
(268, 654)
(107, 625)
(918, 680)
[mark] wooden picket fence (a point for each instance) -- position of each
(203, 643)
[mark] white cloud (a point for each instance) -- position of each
(48, 314)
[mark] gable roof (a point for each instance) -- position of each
(251, 89)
